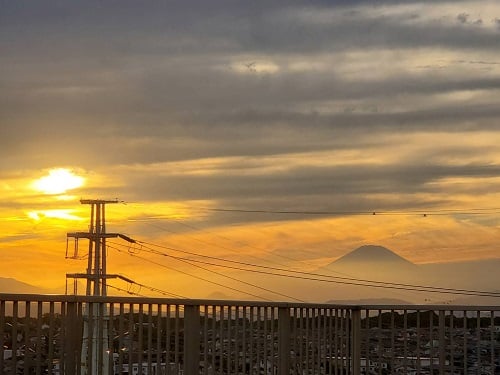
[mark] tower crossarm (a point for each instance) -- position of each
(93, 236)
(98, 201)
(107, 276)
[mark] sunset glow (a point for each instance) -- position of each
(58, 181)
(271, 133)
(54, 214)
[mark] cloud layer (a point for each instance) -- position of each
(290, 105)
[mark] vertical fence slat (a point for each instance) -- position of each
(464, 347)
(71, 339)
(356, 341)
(492, 340)
(2, 335)
(442, 343)
(250, 338)
(244, 339)
(478, 338)
(284, 341)
(452, 343)
(191, 339)
(158, 350)
(418, 342)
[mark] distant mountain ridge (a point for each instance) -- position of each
(379, 264)
(369, 274)
(9, 285)
(372, 254)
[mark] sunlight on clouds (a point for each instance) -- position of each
(54, 214)
(313, 243)
(149, 218)
(162, 210)
(398, 147)
(259, 165)
(58, 181)
(481, 97)
(373, 65)
(420, 14)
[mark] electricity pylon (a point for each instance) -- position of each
(95, 355)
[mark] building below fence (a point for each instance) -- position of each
(42, 334)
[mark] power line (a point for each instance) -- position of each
(191, 275)
(160, 291)
(303, 272)
(424, 213)
(199, 240)
(246, 245)
(433, 212)
(216, 245)
(380, 285)
(235, 279)
(124, 290)
(334, 279)
(184, 260)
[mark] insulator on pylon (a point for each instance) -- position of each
(75, 249)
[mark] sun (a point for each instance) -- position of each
(58, 181)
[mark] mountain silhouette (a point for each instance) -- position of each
(9, 285)
(374, 262)
(372, 254)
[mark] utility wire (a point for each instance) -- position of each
(235, 279)
(124, 290)
(150, 288)
(246, 245)
(315, 274)
(156, 290)
(334, 279)
(191, 275)
(184, 260)
(202, 241)
(472, 211)
(155, 218)
(216, 245)
(424, 289)
(424, 213)
(412, 288)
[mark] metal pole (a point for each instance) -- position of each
(97, 243)
(90, 255)
(103, 250)
(442, 344)
(356, 342)
(284, 340)
(73, 334)
(191, 339)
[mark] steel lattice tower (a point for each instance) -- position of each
(95, 356)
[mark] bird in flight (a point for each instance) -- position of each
(251, 66)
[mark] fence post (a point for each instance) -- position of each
(356, 341)
(284, 340)
(71, 341)
(191, 339)
(442, 343)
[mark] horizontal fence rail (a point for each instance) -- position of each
(44, 334)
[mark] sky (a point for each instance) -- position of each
(195, 114)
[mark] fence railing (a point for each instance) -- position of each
(44, 334)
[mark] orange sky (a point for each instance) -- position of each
(34, 235)
(343, 107)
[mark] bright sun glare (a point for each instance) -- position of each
(58, 181)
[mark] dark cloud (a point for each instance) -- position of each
(463, 17)
(307, 186)
(101, 85)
